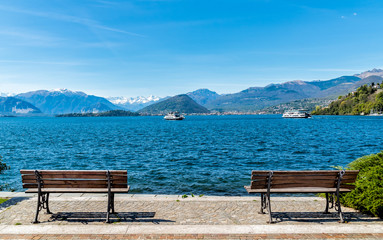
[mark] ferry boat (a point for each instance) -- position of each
(174, 116)
(300, 113)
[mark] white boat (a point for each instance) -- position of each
(300, 113)
(174, 116)
(373, 113)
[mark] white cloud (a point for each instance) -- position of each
(67, 18)
(43, 62)
(334, 70)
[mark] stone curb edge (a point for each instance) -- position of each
(191, 229)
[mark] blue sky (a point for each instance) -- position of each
(168, 47)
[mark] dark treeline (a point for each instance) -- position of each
(113, 113)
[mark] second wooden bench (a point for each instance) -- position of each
(332, 183)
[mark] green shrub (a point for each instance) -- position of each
(368, 193)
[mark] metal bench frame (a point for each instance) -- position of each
(43, 196)
(266, 203)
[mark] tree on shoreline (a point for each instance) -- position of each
(3, 167)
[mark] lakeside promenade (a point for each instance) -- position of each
(82, 216)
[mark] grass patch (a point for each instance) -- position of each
(3, 200)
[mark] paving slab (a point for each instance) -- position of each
(189, 229)
(172, 210)
(171, 216)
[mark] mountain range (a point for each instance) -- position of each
(257, 98)
(64, 101)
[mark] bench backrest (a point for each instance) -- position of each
(296, 179)
(75, 178)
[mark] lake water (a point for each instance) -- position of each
(211, 155)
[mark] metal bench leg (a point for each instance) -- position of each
(112, 207)
(263, 203)
(337, 203)
(327, 204)
(339, 208)
(268, 203)
(47, 204)
(109, 208)
(110, 197)
(269, 209)
(42, 203)
(108, 212)
(39, 206)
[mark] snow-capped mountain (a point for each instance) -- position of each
(140, 99)
(67, 92)
(6, 94)
(134, 103)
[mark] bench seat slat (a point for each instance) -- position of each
(319, 172)
(309, 177)
(73, 176)
(76, 181)
(86, 172)
(280, 182)
(307, 184)
(348, 180)
(304, 177)
(328, 184)
(303, 180)
(94, 185)
(79, 190)
(298, 173)
(354, 176)
(349, 186)
(297, 190)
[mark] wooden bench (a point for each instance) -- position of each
(329, 182)
(44, 182)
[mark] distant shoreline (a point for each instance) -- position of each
(103, 114)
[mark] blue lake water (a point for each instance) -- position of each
(211, 155)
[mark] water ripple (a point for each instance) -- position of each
(202, 154)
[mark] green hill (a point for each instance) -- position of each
(366, 99)
(181, 103)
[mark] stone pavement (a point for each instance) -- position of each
(82, 216)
